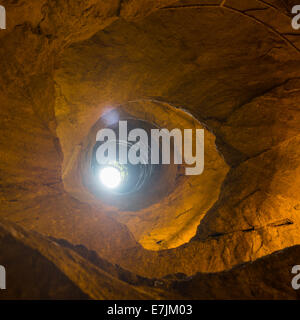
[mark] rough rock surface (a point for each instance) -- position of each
(234, 65)
(268, 277)
(38, 268)
(56, 269)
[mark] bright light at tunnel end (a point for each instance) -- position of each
(110, 177)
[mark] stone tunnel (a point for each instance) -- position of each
(228, 67)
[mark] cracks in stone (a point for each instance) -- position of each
(217, 234)
(270, 50)
(280, 35)
(184, 212)
(190, 6)
(254, 156)
(291, 34)
(244, 13)
(44, 11)
(251, 99)
(88, 9)
(276, 224)
(268, 4)
(255, 9)
(268, 149)
(119, 8)
(248, 230)
(281, 223)
(274, 7)
(246, 197)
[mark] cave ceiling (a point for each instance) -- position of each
(231, 68)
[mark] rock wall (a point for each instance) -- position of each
(231, 67)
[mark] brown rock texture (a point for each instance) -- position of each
(230, 67)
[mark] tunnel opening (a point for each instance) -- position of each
(140, 184)
(159, 203)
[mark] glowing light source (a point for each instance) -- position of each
(110, 177)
